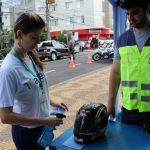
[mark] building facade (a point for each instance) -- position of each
(85, 17)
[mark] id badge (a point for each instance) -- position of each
(42, 97)
(43, 93)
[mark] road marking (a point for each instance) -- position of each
(50, 71)
(78, 64)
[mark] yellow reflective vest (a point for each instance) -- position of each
(135, 74)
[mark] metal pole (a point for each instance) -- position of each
(48, 20)
(73, 19)
(67, 38)
(13, 9)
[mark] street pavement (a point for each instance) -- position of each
(92, 87)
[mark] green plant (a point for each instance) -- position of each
(1, 56)
(10, 35)
(43, 36)
(63, 36)
(4, 52)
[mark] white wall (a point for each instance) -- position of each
(94, 12)
(97, 13)
(6, 18)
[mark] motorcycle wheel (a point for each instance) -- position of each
(96, 57)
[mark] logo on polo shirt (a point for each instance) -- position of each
(29, 84)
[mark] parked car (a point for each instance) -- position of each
(51, 50)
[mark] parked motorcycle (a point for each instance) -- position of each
(103, 53)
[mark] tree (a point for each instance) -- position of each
(10, 35)
(43, 36)
(63, 36)
(5, 38)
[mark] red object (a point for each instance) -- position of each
(72, 64)
(45, 50)
(50, 1)
(86, 34)
(89, 60)
(88, 45)
(90, 38)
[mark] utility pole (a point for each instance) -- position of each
(74, 19)
(1, 26)
(1, 15)
(47, 20)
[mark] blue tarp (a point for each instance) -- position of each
(119, 19)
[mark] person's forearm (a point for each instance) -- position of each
(113, 89)
(114, 83)
(24, 120)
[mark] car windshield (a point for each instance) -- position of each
(55, 44)
(47, 44)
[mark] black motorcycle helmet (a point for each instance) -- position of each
(90, 123)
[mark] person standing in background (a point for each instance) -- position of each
(71, 46)
(82, 45)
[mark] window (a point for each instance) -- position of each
(79, 19)
(29, 1)
(56, 45)
(41, 9)
(22, 2)
(70, 20)
(68, 5)
(47, 44)
(62, 46)
(80, 3)
(54, 22)
(53, 7)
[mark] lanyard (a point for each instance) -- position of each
(37, 75)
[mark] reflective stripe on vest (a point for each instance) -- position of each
(133, 96)
(129, 83)
(145, 86)
(135, 77)
(145, 98)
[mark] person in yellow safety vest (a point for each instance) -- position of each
(131, 67)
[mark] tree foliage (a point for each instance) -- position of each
(43, 36)
(63, 36)
(4, 52)
(10, 35)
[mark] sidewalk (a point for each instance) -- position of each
(90, 88)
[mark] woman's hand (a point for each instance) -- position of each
(61, 105)
(52, 122)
